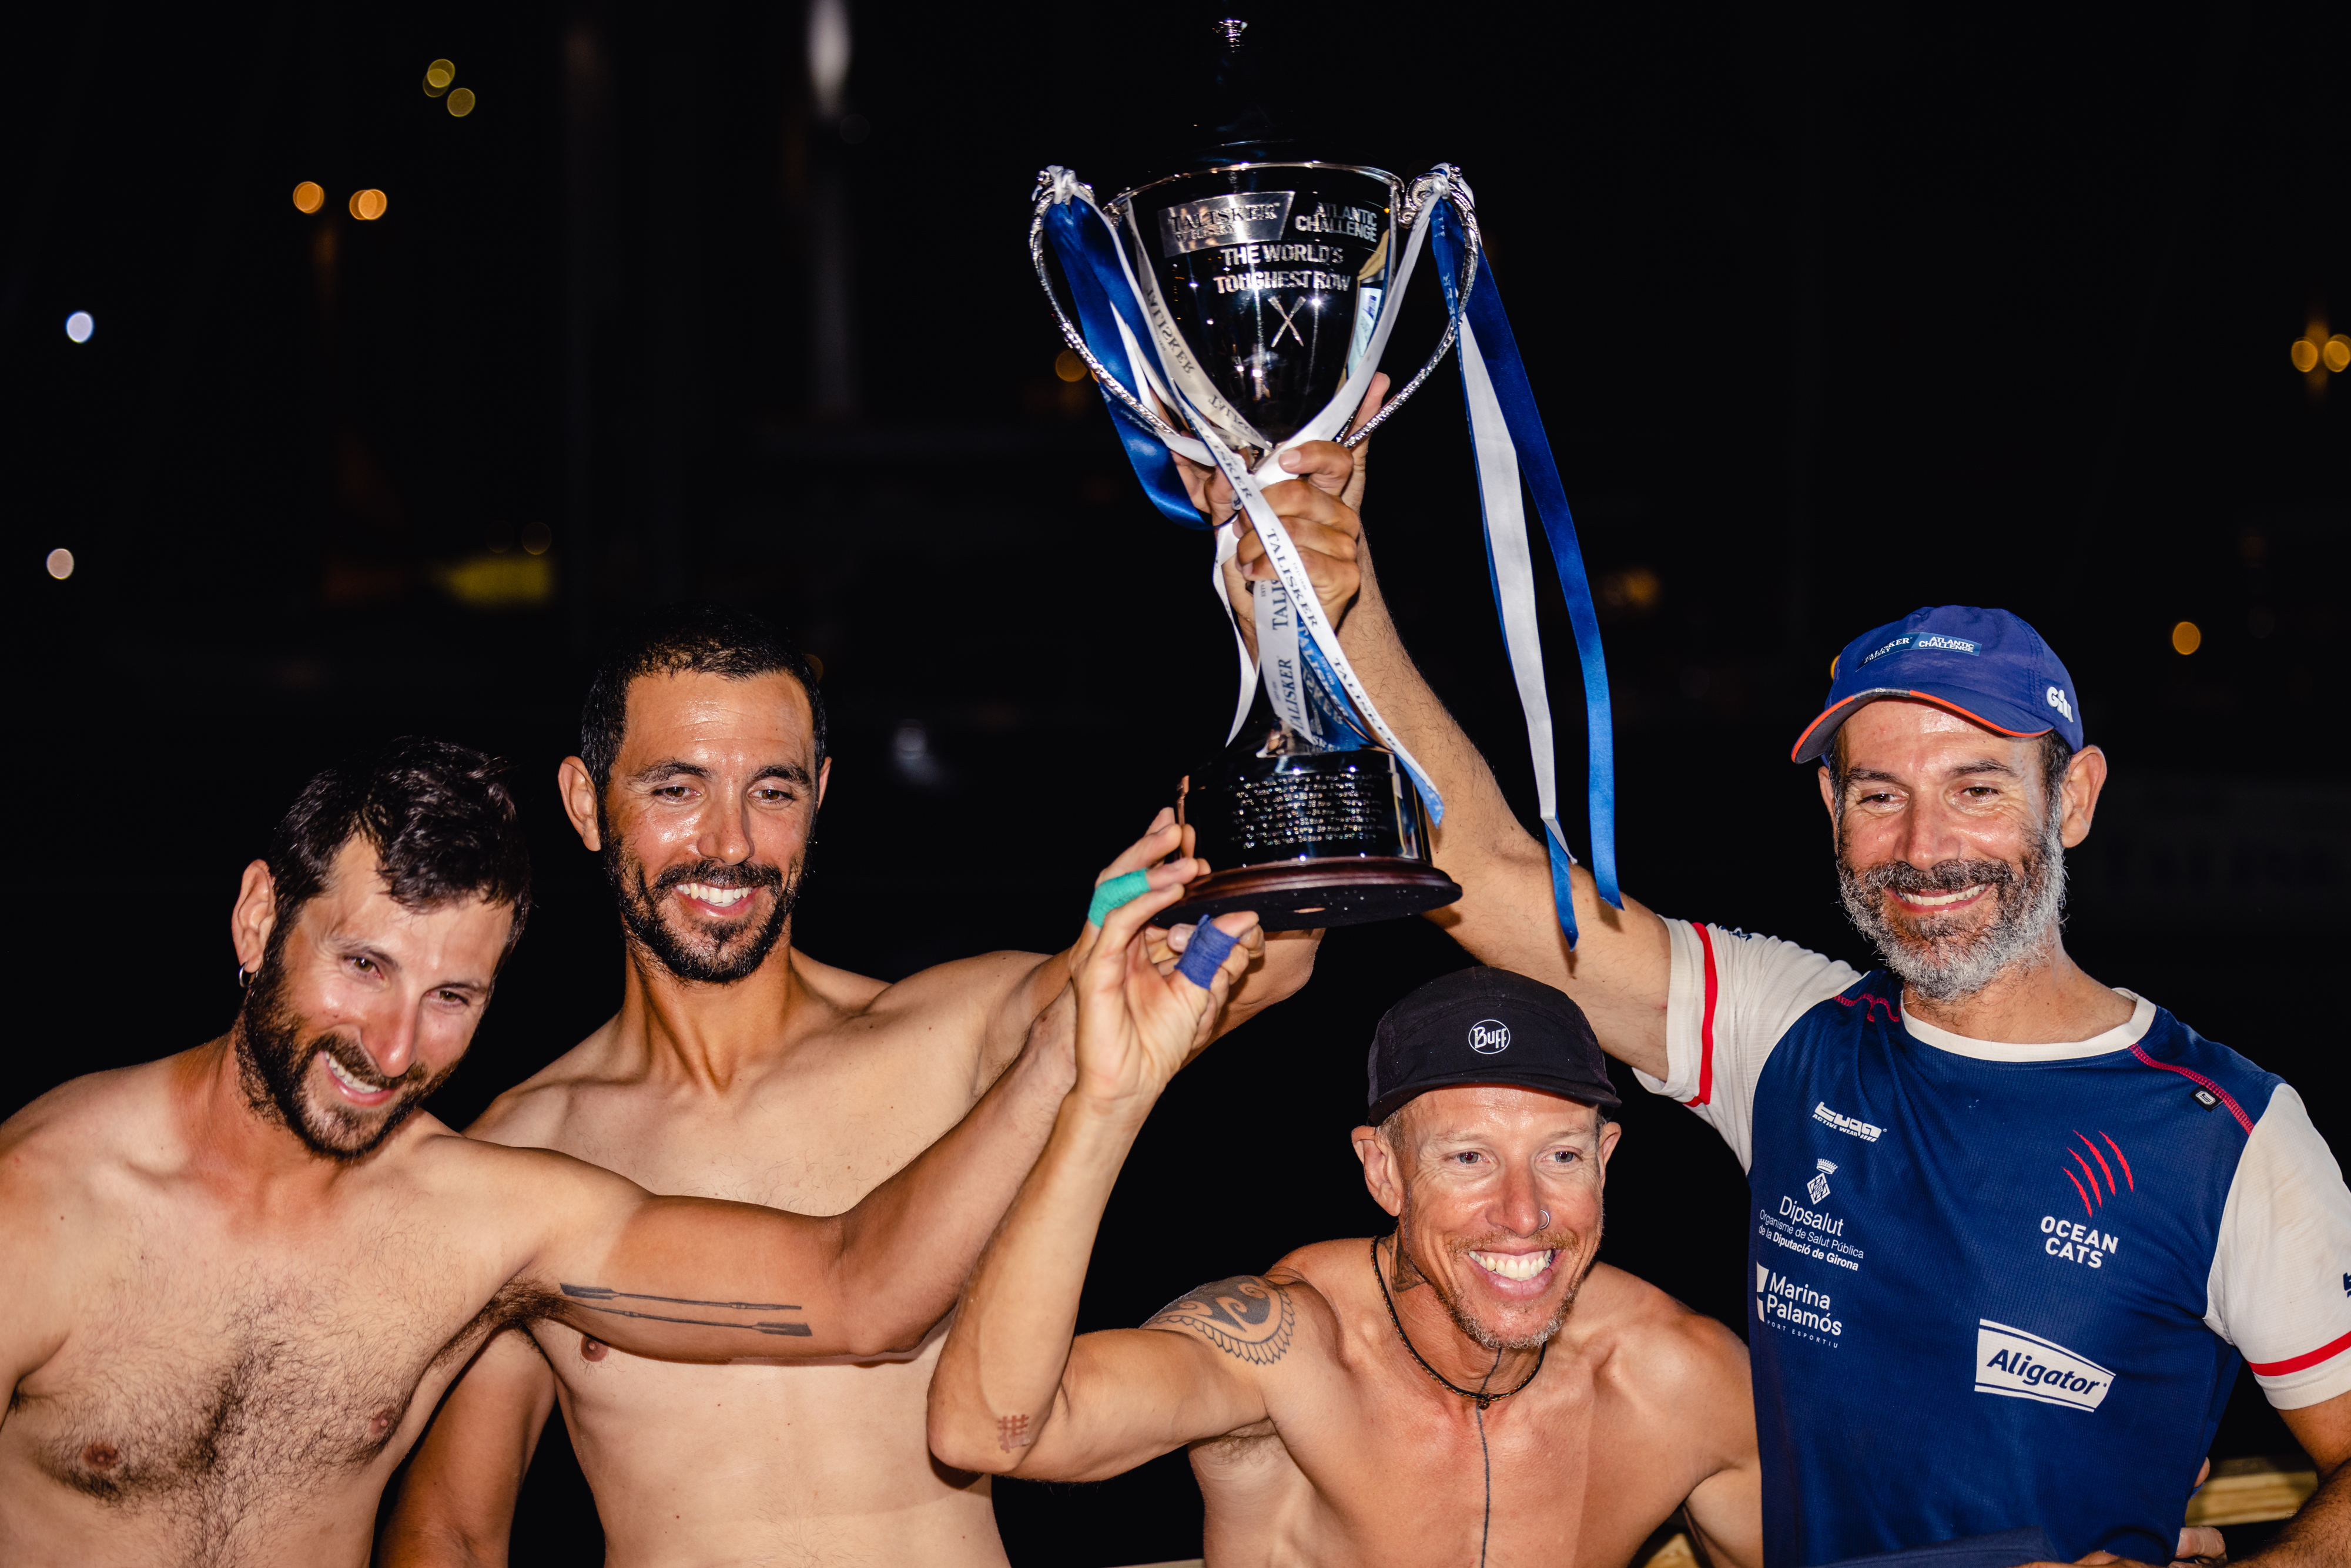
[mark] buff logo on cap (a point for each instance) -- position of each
(1490, 1036)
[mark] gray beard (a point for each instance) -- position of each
(1945, 964)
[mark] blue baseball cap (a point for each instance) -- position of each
(1983, 665)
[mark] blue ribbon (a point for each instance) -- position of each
(1096, 282)
(1513, 390)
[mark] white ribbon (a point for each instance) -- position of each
(1514, 569)
(1282, 554)
(1283, 665)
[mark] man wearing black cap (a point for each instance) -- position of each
(2014, 1229)
(1469, 1388)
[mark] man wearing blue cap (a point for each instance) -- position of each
(2013, 1228)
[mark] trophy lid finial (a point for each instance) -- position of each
(1231, 103)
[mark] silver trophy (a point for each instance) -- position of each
(1243, 303)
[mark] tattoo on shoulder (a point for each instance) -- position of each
(602, 1299)
(1245, 1317)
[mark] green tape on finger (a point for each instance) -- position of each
(1118, 889)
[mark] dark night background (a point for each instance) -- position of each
(1835, 310)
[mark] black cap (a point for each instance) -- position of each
(1485, 1026)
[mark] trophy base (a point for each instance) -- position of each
(1308, 894)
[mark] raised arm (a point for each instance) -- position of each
(1008, 1395)
(689, 1279)
(456, 1503)
(1619, 970)
(1279, 965)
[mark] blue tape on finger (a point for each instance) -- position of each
(1118, 889)
(1205, 954)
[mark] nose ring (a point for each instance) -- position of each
(1546, 1220)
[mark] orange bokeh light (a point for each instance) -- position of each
(310, 196)
(368, 205)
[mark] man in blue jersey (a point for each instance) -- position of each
(2013, 1228)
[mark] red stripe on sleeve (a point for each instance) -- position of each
(2296, 1364)
(1705, 1023)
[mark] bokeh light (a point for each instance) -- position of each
(368, 205)
(2305, 354)
(461, 102)
(535, 537)
(2336, 355)
(60, 564)
(2186, 637)
(80, 325)
(310, 196)
(437, 77)
(1068, 366)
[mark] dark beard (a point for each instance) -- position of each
(1409, 1274)
(731, 958)
(1935, 957)
(273, 1062)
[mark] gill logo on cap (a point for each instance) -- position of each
(1490, 1036)
(2057, 700)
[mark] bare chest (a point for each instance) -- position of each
(1553, 1480)
(813, 1138)
(215, 1387)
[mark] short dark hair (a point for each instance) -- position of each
(687, 639)
(2055, 757)
(439, 816)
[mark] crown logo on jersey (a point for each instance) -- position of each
(1819, 1186)
(2087, 1185)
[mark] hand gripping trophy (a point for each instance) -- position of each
(1238, 307)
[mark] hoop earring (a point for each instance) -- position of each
(243, 979)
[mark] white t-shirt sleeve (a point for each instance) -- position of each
(2281, 1284)
(1730, 998)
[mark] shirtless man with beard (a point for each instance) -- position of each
(2014, 1229)
(737, 1067)
(1472, 1388)
(239, 1278)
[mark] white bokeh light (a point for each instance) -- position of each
(80, 325)
(61, 564)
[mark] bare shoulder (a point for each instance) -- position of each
(484, 1171)
(960, 988)
(531, 1114)
(1256, 1319)
(1662, 1347)
(69, 1164)
(87, 1123)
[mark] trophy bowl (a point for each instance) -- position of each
(1274, 275)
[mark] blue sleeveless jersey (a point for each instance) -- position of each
(1979, 1286)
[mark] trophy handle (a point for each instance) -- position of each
(1422, 189)
(1056, 186)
